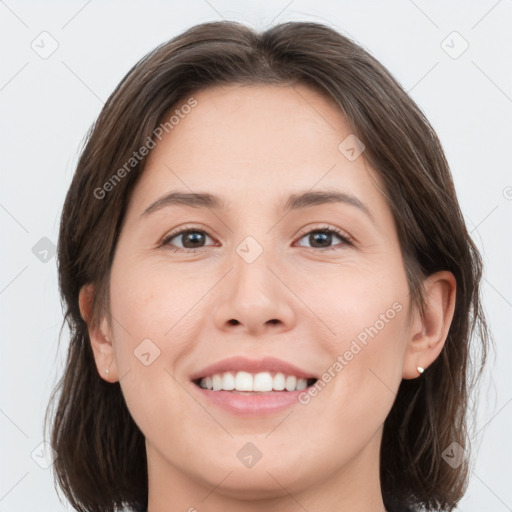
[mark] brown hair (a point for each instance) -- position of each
(101, 460)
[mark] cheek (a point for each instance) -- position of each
(151, 299)
(362, 304)
(358, 387)
(150, 315)
(367, 318)
(146, 310)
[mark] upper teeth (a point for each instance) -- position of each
(244, 381)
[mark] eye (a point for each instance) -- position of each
(321, 237)
(191, 239)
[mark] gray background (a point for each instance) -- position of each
(49, 101)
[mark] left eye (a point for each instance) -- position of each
(324, 236)
(192, 239)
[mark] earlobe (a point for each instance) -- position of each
(100, 337)
(429, 332)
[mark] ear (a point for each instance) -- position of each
(101, 337)
(428, 334)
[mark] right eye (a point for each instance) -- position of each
(192, 236)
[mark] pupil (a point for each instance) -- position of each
(194, 237)
(325, 237)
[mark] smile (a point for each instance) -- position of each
(258, 382)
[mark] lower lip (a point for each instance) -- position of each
(254, 404)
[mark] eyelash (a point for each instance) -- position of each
(346, 240)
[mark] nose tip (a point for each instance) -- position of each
(253, 297)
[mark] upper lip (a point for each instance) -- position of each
(238, 363)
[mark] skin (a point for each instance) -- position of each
(255, 145)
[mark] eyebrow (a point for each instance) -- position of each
(294, 201)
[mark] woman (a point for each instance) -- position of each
(270, 287)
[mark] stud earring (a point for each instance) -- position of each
(106, 371)
(420, 370)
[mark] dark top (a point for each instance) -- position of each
(395, 508)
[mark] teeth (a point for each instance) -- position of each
(244, 381)
(263, 382)
(279, 382)
(217, 382)
(228, 382)
(291, 383)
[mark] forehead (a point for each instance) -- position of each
(257, 123)
(250, 143)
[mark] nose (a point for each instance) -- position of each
(254, 297)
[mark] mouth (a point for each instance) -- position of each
(243, 382)
(250, 388)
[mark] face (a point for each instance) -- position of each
(315, 284)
